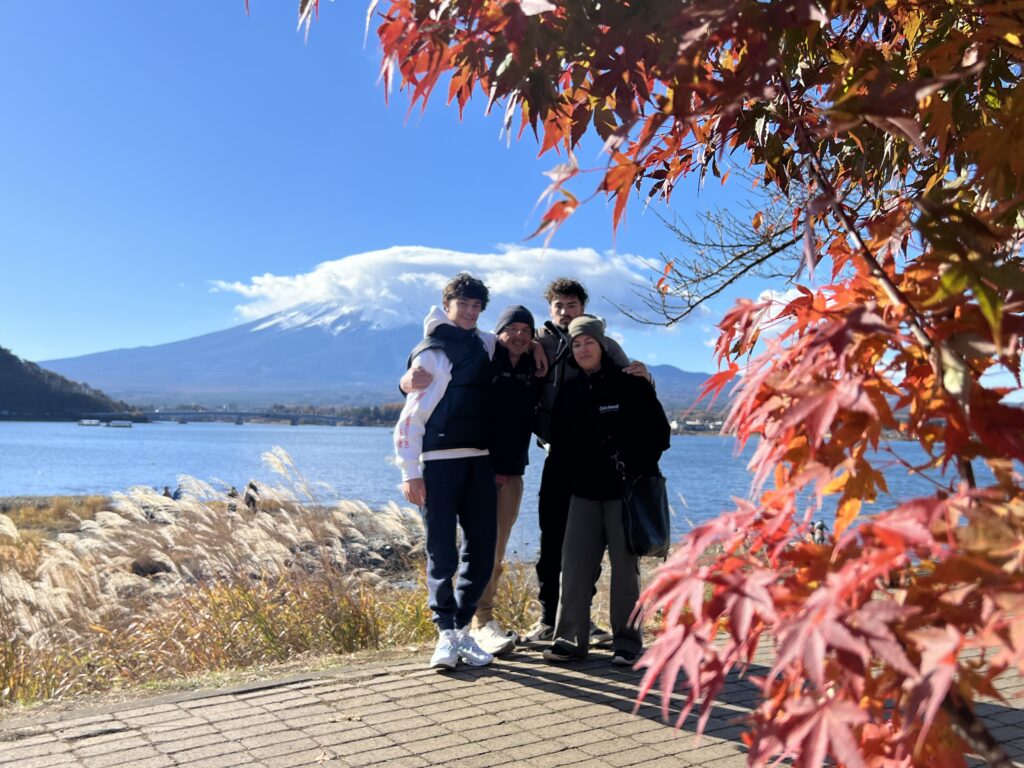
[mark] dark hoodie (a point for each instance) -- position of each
(513, 399)
(595, 415)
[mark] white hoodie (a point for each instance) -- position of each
(420, 404)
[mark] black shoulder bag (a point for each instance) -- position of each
(645, 517)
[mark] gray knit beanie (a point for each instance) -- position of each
(589, 325)
(517, 313)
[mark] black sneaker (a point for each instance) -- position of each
(561, 654)
(625, 658)
(599, 637)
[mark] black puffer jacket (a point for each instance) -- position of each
(462, 418)
(598, 413)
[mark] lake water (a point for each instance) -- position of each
(48, 458)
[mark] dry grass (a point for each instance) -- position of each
(146, 588)
(143, 589)
(40, 518)
(138, 589)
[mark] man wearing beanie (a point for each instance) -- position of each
(514, 395)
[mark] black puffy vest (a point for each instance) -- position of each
(462, 418)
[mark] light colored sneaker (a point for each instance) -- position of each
(539, 635)
(446, 652)
(494, 639)
(469, 652)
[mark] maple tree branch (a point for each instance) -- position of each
(727, 249)
(913, 470)
(892, 291)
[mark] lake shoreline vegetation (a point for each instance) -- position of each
(97, 596)
(31, 393)
(107, 595)
(28, 390)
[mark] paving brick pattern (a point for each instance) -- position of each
(519, 712)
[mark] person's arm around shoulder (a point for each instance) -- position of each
(490, 341)
(419, 405)
(417, 377)
(540, 359)
(632, 367)
(548, 342)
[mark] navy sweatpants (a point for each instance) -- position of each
(459, 492)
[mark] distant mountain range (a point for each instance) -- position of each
(28, 390)
(316, 354)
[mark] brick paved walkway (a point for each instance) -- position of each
(521, 711)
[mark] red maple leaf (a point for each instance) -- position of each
(808, 729)
(938, 647)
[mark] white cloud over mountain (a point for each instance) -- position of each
(397, 285)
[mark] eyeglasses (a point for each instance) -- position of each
(517, 331)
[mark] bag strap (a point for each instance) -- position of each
(620, 465)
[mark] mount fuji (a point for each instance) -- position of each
(316, 353)
(319, 353)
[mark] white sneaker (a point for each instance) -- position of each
(469, 652)
(446, 652)
(494, 639)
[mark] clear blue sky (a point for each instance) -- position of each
(149, 149)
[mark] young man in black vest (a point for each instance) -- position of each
(441, 445)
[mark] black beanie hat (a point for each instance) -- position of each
(517, 313)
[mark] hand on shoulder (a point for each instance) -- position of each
(636, 368)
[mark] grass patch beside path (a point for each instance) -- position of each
(105, 595)
(101, 596)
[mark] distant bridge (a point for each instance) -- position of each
(294, 417)
(238, 417)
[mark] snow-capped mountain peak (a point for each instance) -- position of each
(328, 315)
(336, 317)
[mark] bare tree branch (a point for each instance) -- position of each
(757, 241)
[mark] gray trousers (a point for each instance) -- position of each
(592, 527)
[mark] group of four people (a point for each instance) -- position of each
(473, 401)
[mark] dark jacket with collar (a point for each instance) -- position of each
(514, 400)
(561, 370)
(600, 413)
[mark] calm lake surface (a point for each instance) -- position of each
(46, 458)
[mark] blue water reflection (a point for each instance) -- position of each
(37, 458)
